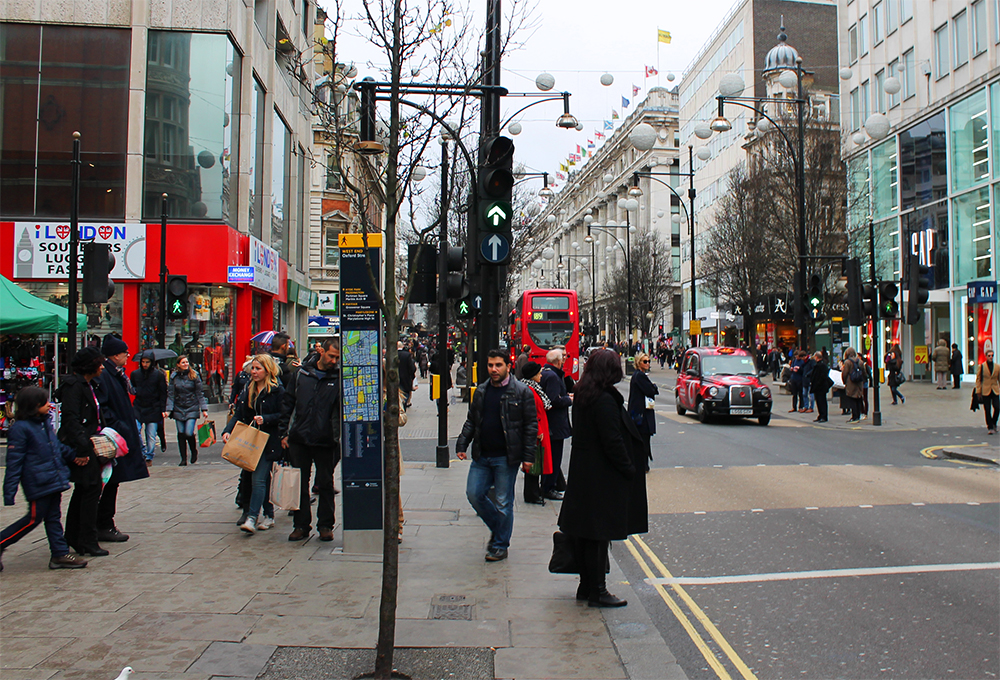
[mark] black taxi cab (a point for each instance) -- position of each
(721, 381)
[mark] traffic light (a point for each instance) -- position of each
(918, 285)
(855, 306)
(464, 309)
(455, 285)
(797, 303)
(97, 265)
(496, 180)
(888, 307)
(423, 268)
(177, 297)
(661, 329)
(869, 305)
(815, 298)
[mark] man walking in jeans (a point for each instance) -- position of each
(311, 432)
(502, 426)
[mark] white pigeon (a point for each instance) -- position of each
(124, 675)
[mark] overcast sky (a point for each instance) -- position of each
(577, 42)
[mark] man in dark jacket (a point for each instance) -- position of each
(310, 427)
(553, 382)
(407, 373)
(502, 427)
(112, 389)
(150, 385)
(279, 352)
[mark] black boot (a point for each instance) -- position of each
(182, 445)
(193, 443)
(600, 597)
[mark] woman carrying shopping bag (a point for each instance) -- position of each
(185, 399)
(259, 405)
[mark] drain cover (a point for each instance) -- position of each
(453, 608)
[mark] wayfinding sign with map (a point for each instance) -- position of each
(361, 362)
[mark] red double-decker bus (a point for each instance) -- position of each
(543, 319)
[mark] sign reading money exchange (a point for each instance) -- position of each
(361, 371)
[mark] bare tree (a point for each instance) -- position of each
(651, 284)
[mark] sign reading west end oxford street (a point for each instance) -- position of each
(41, 249)
(495, 248)
(361, 381)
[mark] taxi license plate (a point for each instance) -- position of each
(741, 411)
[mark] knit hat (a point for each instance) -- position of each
(113, 345)
(530, 369)
(86, 360)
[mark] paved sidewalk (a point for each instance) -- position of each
(191, 598)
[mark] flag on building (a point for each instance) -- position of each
(663, 36)
(651, 71)
(625, 102)
(590, 143)
(578, 148)
(635, 90)
(614, 116)
(563, 167)
(559, 175)
(598, 133)
(583, 152)
(608, 125)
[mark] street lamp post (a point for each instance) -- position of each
(628, 265)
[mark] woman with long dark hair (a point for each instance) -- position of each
(185, 399)
(605, 496)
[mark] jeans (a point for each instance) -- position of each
(148, 432)
(499, 517)
(896, 394)
(808, 399)
(185, 428)
(259, 493)
(549, 481)
(326, 459)
(45, 509)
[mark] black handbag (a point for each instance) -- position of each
(563, 561)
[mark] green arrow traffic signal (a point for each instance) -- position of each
(496, 215)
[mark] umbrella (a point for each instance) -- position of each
(265, 337)
(155, 354)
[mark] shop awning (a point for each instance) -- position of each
(22, 312)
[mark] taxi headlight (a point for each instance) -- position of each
(765, 392)
(713, 391)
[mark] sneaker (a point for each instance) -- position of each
(68, 561)
(496, 555)
(248, 526)
(265, 524)
(864, 416)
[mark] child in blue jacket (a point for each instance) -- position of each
(37, 461)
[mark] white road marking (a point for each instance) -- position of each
(813, 507)
(866, 506)
(824, 573)
(918, 504)
(699, 512)
(756, 509)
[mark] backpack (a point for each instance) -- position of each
(856, 375)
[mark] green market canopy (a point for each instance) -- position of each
(22, 312)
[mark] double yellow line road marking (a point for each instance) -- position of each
(693, 618)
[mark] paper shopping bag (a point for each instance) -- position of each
(286, 485)
(206, 434)
(245, 446)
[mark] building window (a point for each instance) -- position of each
(55, 80)
(332, 254)
(192, 102)
(929, 226)
(852, 43)
(280, 142)
(893, 72)
(973, 236)
(878, 22)
(978, 27)
(960, 38)
(909, 75)
(855, 109)
(905, 11)
(923, 163)
(334, 181)
(866, 102)
(995, 126)
(880, 92)
(863, 35)
(885, 179)
(969, 142)
(891, 16)
(941, 57)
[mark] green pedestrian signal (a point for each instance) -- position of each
(496, 215)
(177, 308)
(463, 309)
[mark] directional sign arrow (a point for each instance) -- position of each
(477, 302)
(495, 243)
(495, 248)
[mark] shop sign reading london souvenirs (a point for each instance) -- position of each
(41, 250)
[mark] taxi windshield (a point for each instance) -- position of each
(727, 364)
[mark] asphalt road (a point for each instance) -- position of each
(751, 528)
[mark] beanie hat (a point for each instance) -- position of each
(86, 360)
(529, 369)
(113, 345)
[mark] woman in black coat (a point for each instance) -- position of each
(605, 498)
(79, 421)
(644, 418)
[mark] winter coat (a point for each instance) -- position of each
(311, 406)
(519, 419)
(605, 497)
(269, 406)
(185, 397)
(820, 382)
(796, 374)
(78, 422)
(641, 388)
(150, 395)
(987, 381)
(807, 370)
(941, 356)
(241, 380)
(36, 460)
(542, 406)
(407, 370)
(851, 388)
(286, 368)
(553, 381)
(956, 362)
(117, 412)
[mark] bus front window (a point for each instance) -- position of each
(549, 334)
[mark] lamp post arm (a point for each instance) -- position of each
(743, 102)
(680, 199)
(514, 115)
(453, 133)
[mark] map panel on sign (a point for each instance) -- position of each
(362, 398)
(360, 348)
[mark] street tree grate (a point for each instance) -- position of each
(453, 608)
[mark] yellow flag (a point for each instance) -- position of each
(663, 36)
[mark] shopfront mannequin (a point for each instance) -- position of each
(195, 351)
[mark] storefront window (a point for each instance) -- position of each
(973, 236)
(969, 142)
(885, 179)
(926, 233)
(56, 80)
(191, 125)
(923, 163)
(279, 186)
(206, 336)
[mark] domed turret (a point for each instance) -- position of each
(782, 55)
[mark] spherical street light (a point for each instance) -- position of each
(892, 85)
(877, 126)
(670, 77)
(418, 174)
(642, 136)
(702, 130)
(588, 219)
(731, 85)
(659, 213)
(611, 223)
(551, 219)
(788, 78)
(545, 82)
(763, 125)
(858, 138)
(704, 153)
(548, 252)
(846, 73)
(607, 79)
(514, 128)
(631, 229)
(608, 178)
(676, 218)
(579, 126)
(632, 204)
(621, 203)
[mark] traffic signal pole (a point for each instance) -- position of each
(876, 411)
(161, 336)
(442, 456)
(74, 249)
